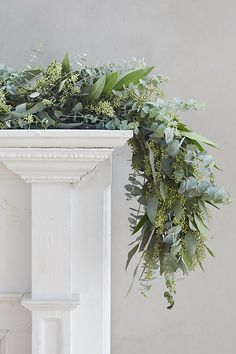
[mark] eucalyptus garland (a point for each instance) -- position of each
(172, 174)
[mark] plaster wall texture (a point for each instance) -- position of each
(193, 43)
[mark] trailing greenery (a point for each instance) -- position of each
(172, 178)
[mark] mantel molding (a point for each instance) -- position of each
(52, 165)
(50, 305)
(57, 156)
(10, 298)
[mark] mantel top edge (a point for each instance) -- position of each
(59, 138)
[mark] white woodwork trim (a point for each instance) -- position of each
(7, 174)
(45, 339)
(3, 341)
(10, 298)
(57, 156)
(50, 305)
(73, 138)
(51, 241)
(52, 165)
(107, 270)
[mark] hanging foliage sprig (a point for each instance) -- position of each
(173, 175)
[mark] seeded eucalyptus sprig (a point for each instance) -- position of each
(173, 175)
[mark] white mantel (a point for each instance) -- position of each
(55, 162)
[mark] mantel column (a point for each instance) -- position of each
(51, 241)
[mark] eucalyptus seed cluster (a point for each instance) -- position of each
(115, 102)
(28, 118)
(4, 107)
(134, 97)
(52, 76)
(47, 102)
(69, 89)
(103, 108)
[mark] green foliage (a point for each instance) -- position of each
(132, 77)
(173, 175)
(97, 88)
(111, 80)
(66, 64)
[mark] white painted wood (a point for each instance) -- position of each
(55, 163)
(51, 328)
(3, 341)
(64, 138)
(12, 298)
(51, 241)
(15, 325)
(15, 264)
(90, 267)
(51, 332)
(50, 305)
(107, 269)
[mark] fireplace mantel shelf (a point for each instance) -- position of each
(49, 156)
(63, 138)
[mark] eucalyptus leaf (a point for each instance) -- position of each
(66, 64)
(146, 236)
(77, 108)
(200, 263)
(111, 80)
(190, 244)
(152, 163)
(8, 123)
(151, 208)
(187, 261)
(169, 134)
(170, 263)
(159, 132)
(58, 113)
(209, 251)
(140, 224)
(163, 190)
(38, 107)
(34, 95)
(61, 85)
(200, 226)
(173, 148)
(26, 76)
(183, 267)
(199, 138)
(167, 167)
(132, 77)
(131, 254)
(204, 210)
(68, 125)
(97, 88)
(182, 187)
(5, 116)
(21, 108)
(177, 209)
(134, 275)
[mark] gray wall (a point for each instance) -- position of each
(193, 42)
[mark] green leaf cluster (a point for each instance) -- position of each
(173, 174)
